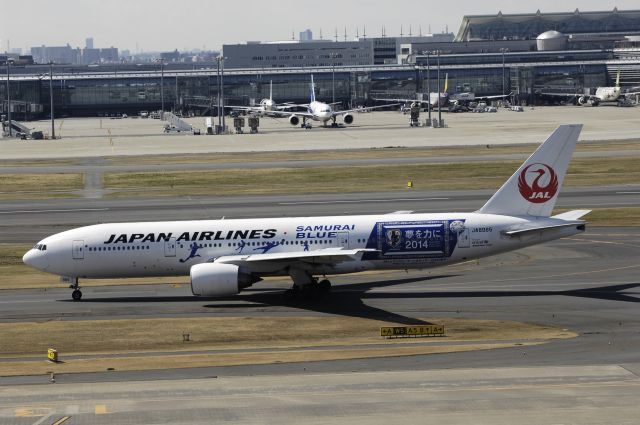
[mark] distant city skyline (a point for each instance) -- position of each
(161, 25)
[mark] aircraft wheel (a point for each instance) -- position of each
(76, 295)
(324, 286)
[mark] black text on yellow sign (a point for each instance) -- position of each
(409, 331)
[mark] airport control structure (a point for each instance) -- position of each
(525, 56)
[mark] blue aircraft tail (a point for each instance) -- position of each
(313, 91)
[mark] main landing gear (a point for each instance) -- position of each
(312, 292)
(306, 287)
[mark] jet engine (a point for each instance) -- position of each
(582, 100)
(220, 279)
(294, 120)
(347, 118)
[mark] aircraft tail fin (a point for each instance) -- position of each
(313, 91)
(271, 90)
(618, 79)
(533, 189)
(446, 82)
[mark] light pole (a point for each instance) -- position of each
(53, 128)
(218, 97)
(8, 100)
(439, 92)
(333, 77)
(428, 90)
(503, 50)
(220, 61)
(161, 88)
(222, 93)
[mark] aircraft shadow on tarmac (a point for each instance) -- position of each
(349, 300)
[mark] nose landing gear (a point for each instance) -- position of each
(73, 284)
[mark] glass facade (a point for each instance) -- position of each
(529, 26)
(79, 95)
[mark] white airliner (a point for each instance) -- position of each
(462, 99)
(222, 257)
(323, 112)
(603, 94)
(266, 106)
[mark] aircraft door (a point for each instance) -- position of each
(170, 248)
(343, 239)
(77, 250)
(464, 241)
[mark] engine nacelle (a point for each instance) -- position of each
(219, 279)
(347, 118)
(294, 120)
(582, 100)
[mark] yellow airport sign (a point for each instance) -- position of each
(52, 355)
(411, 331)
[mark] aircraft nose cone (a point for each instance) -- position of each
(35, 259)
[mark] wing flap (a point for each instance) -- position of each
(324, 256)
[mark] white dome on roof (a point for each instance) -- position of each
(550, 35)
(551, 40)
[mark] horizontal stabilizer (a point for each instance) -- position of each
(572, 215)
(529, 230)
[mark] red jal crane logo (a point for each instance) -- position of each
(538, 183)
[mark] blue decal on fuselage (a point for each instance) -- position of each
(194, 252)
(266, 247)
(430, 239)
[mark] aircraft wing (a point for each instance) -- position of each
(289, 113)
(285, 106)
(494, 96)
(368, 108)
(320, 256)
(244, 108)
(565, 95)
(397, 100)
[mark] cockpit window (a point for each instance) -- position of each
(40, 247)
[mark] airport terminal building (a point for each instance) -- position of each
(526, 55)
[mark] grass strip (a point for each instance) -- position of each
(18, 368)
(40, 185)
(159, 342)
(351, 179)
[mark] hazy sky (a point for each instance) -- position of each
(167, 25)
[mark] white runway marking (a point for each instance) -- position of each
(362, 200)
(51, 211)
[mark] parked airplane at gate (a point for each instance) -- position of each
(223, 257)
(444, 99)
(603, 94)
(323, 112)
(266, 106)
